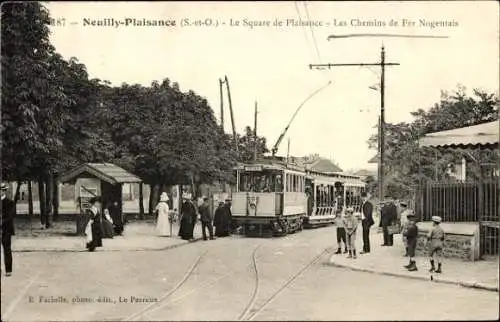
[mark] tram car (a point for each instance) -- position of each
(273, 198)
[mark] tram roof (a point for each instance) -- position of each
(281, 165)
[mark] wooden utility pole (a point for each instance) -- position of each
(221, 104)
(382, 64)
(231, 111)
(255, 134)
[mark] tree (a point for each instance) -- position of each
(406, 163)
(167, 137)
(33, 100)
(247, 144)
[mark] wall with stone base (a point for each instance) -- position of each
(461, 240)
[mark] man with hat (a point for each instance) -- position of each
(436, 239)
(206, 219)
(366, 221)
(388, 215)
(8, 211)
(411, 234)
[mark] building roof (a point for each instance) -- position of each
(481, 135)
(323, 165)
(108, 172)
(365, 173)
(374, 159)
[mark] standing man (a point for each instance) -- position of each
(206, 219)
(228, 217)
(388, 215)
(366, 221)
(8, 211)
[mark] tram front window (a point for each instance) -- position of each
(260, 182)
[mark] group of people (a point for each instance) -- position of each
(189, 214)
(347, 225)
(102, 225)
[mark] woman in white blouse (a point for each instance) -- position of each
(162, 225)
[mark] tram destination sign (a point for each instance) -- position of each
(254, 168)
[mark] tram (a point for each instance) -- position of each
(273, 198)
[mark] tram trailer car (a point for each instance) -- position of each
(273, 198)
(329, 194)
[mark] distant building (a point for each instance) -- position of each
(364, 173)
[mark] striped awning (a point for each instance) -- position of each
(484, 135)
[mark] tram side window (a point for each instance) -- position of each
(279, 183)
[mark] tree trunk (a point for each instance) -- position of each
(153, 197)
(141, 201)
(55, 199)
(30, 199)
(48, 195)
(41, 198)
(16, 195)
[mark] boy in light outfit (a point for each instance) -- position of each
(341, 236)
(350, 224)
(436, 239)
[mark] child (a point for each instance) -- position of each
(351, 224)
(404, 225)
(339, 222)
(436, 238)
(411, 234)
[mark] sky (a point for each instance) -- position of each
(269, 64)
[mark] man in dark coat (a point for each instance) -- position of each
(8, 211)
(366, 222)
(388, 215)
(206, 219)
(188, 218)
(228, 216)
(219, 220)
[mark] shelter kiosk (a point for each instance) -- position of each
(97, 179)
(467, 204)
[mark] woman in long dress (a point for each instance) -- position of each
(94, 227)
(117, 216)
(188, 212)
(163, 225)
(107, 225)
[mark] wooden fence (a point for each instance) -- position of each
(463, 202)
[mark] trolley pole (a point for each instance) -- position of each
(381, 141)
(255, 135)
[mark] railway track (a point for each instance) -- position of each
(249, 312)
(151, 306)
(246, 316)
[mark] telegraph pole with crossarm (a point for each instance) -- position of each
(381, 149)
